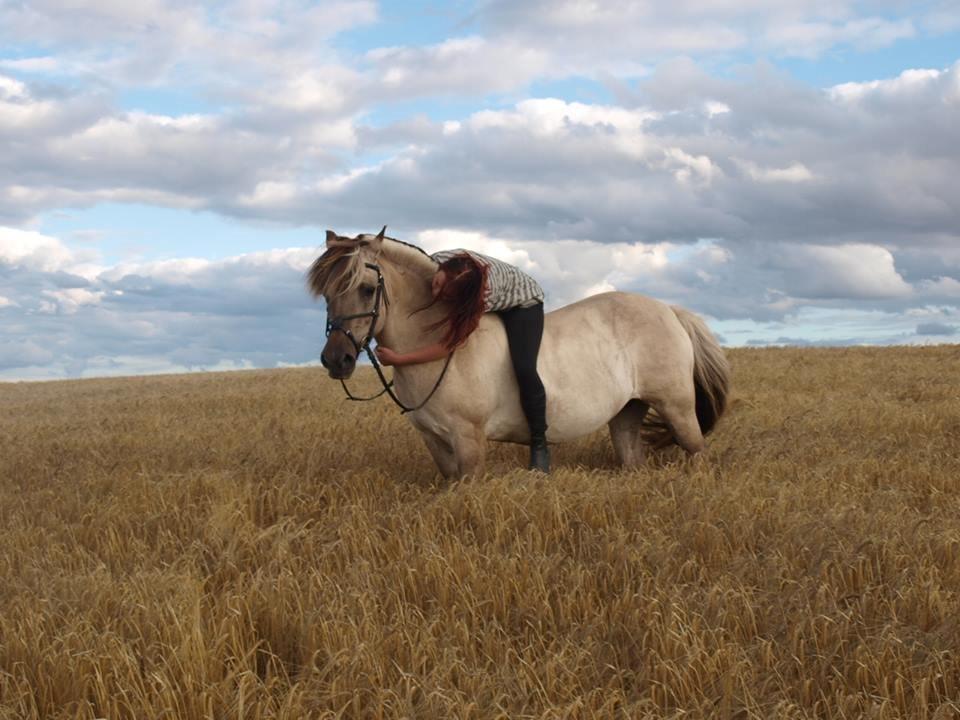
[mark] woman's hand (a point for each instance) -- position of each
(386, 356)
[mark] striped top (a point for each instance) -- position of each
(507, 286)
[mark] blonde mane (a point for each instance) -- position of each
(339, 269)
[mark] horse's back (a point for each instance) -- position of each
(633, 307)
(618, 330)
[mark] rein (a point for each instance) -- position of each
(364, 346)
(388, 385)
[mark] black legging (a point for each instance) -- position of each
(524, 330)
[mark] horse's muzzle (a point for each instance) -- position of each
(339, 368)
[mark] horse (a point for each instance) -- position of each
(606, 359)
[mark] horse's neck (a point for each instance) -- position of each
(408, 273)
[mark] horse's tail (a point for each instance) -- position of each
(711, 381)
(711, 371)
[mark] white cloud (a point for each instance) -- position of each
(31, 64)
(17, 113)
(794, 173)
(553, 116)
(945, 287)
(624, 37)
(80, 153)
(69, 300)
(153, 41)
(617, 37)
(712, 107)
(11, 89)
(811, 39)
(30, 249)
(570, 270)
(905, 83)
(447, 239)
(690, 169)
(467, 65)
(845, 271)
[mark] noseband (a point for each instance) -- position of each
(337, 324)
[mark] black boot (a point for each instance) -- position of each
(539, 455)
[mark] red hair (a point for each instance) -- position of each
(466, 290)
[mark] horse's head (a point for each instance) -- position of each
(349, 279)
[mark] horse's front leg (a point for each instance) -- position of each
(442, 453)
(470, 448)
(459, 452)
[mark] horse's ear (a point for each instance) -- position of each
(377, 243)
(331, 236)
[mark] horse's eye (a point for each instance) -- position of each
(367, 291)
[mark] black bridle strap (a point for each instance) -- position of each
(388, 385)
(351, 396)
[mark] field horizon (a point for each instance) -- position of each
(247, 544)
(363, 365)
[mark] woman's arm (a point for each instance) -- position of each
(386, 356)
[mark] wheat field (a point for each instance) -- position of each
(249, 545)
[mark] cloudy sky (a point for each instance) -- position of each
(788, 169)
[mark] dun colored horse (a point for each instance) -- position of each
(606, 359)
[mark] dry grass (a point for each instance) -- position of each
(249, 546)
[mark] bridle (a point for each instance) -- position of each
(337, 324)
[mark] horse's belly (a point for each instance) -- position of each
(577, 409)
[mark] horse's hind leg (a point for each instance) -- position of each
(625, 432)
(682, 418)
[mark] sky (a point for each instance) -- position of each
(168, 169)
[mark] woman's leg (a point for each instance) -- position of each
(524, 328)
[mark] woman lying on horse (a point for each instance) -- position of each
(473, 284)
